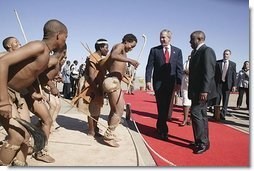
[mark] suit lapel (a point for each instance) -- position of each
(195, 55)
(229, 64)
(201, 48)
(172, 52)
(220, 66)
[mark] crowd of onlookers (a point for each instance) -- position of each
(71, 74)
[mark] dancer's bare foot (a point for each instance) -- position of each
(44, 156)
(111, 143)
(183, 123)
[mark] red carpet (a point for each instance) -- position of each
(229, 147)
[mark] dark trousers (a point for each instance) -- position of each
(224, 94)
(163, 99)
(199, 121)
(67, 90)
(240, 96)
(74, 84)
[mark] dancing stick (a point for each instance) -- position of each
(38, 135)
(23, 32)
(86, 47)
(21, 27)
(89, 49)
(141, 51)
(102, 61)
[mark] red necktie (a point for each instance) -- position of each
(167, 55)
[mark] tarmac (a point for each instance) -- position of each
(70, 145)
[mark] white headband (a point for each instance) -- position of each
(101, 42)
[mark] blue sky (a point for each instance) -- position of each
(225, 22)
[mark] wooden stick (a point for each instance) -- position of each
(139, 55)
(87, 48)
(23, 32)
(21, 27)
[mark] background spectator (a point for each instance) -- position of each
(243, 85)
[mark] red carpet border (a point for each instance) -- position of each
(229, 147)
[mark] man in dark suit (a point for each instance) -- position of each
(225, 77)
(166, 62)
(202, 88)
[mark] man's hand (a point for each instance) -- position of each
(38, 96)
(58, 79)
(134, 63)
(177, 87)
(148, 86)
(234, 89)
(6, 110)
(55, 91)
(203, 97)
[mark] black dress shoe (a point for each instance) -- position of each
(163, 136)
(237, 108)
(222, 118)
(193, 144)
(201, 149)
(158, 131)
(210, 109)
(207, 145)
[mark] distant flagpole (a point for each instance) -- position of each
(21, 27)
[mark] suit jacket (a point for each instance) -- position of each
(164, 75)
(230, 79)
(202, 73)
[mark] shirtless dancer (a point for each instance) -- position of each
(40, 109)
(54, 99)
(25, 63)
(11, 44)
(112, 84)
(47, 79)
